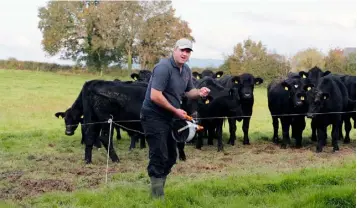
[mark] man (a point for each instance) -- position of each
(171, 78)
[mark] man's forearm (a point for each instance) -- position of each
(158, 98)
(193, 94)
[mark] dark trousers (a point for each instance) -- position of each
(162, 147)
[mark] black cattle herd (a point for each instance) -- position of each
(323, 97)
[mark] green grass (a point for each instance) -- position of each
(36, 157)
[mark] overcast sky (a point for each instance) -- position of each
(285, 26)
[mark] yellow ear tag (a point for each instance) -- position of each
(286, 88)
(197, 77)
(207, 101)
(309, 88)
(236, 82)
(302, 98)
(218, 75)
(303, 76)
(325, 97)
(134, 78)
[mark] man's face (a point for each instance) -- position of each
(182, 55)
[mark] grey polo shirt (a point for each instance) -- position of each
(166, 77)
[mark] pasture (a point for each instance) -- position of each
(42, 167)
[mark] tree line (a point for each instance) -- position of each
(102, 36)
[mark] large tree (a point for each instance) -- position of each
(306, 59)
(252, 57)
(100, 33)
(159, 35)
(69, 28)
(334, 61)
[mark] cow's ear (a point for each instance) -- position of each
(219, 74)
(258, 80)
(325, 96)
(59, 114)
(308, 87)
(303, 74)
(134, 76)
(326, 73)
(207, 100)
(197, 75)
(286, 86)
(235, 79)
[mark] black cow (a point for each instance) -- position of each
(104, 100)
(221, 102)
(245, 84)
(350, 84)
(143, 75)
(286, 98)
(73, 117)
(207, 73)
(312, 76)
(325, 99)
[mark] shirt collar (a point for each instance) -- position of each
(173, 63)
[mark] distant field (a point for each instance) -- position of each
(37, 157)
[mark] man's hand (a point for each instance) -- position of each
(204, 91)
(181, 114)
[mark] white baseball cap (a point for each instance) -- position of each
(184, 43)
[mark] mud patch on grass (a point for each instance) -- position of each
(30, 187)
(11, 175)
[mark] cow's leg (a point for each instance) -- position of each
(91, 134)
(245, 129)
(348, 127)
(285, 124)
(232, 131)
(142, 141)
(298, 127)
(275, 128)
(340, 134)
(321, 137)
(219, 134)
(133, 139)
(181, 151)
(88, 154)
(313, 130)
(199, 141)
(211, 133)
(118, 132)
(105, 140)
(335, 135)
(200, 134)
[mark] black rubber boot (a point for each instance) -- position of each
(157, 187)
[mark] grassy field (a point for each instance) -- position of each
(42, 167)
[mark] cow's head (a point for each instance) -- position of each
(294, 88)
(245, 84)
(316, 98)
(227, 102)
(313, 75)
(72, 118)
(196, 75)
(219, 74)
(208, 73)
(143, 75)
